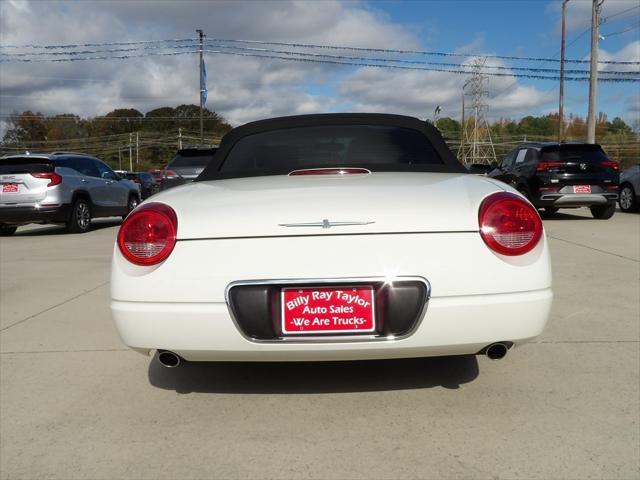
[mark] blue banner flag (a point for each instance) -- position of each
(203, 79)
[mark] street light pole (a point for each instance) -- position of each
(561, 105)
(201, 34)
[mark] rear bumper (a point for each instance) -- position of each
(561, 200)
(20, 215)
(450, 326)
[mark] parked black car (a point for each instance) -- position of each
(186, 165)
(565, 175)
(630, 188)
(480, 168)
(148, 185)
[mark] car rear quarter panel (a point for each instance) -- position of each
(455, 264)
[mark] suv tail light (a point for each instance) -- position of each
(611, 164)
(169, 174)
(148, 234)
(509, 225)
(544, 166)
(54, 178)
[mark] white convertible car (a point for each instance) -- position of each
(331, 237)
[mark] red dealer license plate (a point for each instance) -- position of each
(309, 310)
(582, 189)
(9, 188)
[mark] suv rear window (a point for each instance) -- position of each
(192, 158)
(573, 153)
(16, 165)
(377, 147)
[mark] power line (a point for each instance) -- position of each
(619, 32)
(319, 46)
(290, 53)
(76, 45)
(622, 12)
(77, 59)
(414, 52)
(314, 60)
(414, 62)
(89, 52)
(401, 67)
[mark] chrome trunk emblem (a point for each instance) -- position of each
(325, 223)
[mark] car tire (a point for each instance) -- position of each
(627, 199)
(131, 204)
(603, 212)
(550, 210)
(7, 230)
(80, 221)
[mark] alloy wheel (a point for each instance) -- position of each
(626, 198)
(83, 216)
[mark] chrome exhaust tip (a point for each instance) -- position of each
(496, 351)
(168, 359)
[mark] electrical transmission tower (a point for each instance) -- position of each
(476, 145)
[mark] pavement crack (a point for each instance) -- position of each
(55, 306)
(594, 249)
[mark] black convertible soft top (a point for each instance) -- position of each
(447, 162)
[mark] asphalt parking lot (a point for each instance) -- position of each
(76, 404)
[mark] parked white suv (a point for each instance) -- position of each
(61, 187)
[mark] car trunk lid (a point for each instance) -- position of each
(18, 185)
(379, 202)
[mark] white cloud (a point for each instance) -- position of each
(240, 88)
(419, 93)
(629, 53)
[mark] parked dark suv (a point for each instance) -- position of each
(186, 165)
(565, 175)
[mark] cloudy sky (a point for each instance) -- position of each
(247, 88)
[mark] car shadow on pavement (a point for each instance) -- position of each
(61, 229)
(563, 216)
(314, 377)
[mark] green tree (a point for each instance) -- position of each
(449, 127)
(161, 119)
(121, 120)
(65, 126)
(26, 127)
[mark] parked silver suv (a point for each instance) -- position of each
(70, 188)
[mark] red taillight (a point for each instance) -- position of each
(148, 234)
(611, 164)
(330, 171)
(54, 178)
(170, 174)
(509, 225)
(542, 166)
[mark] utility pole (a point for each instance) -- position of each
(201, 34)
(119, 159)
(130, 157)
(593, 78)
(137, 149)
(561, 105)
(179, 138)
